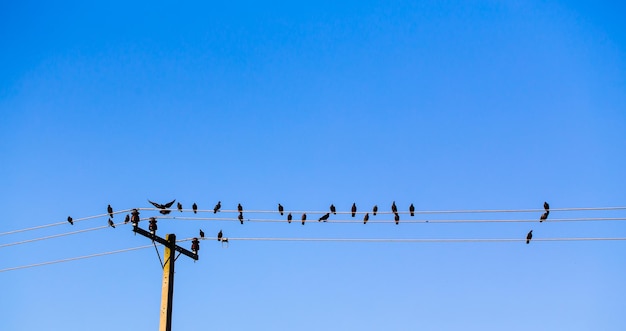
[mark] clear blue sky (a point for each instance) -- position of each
(447, 105)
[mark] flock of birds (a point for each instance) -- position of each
(164, 209)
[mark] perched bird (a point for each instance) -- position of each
(303, 218)
(69, 219)
(280, 209)
(546, 206)
(217, 207)
(412, 210)
(110, 210)
(239, 208)
(127, 219)
(201, 233)
(111, 224)
(397, 218)
(529, 236)
(324, 217)
(353, 209)
(195, 208)
(366, 218)
(394, 209)
(180, 207)
(375, 209)
(219, 236)
(544, 216)
(333, 209)
(240, 217)
(163, 208)
(289, 217)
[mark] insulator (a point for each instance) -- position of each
(195, 245)
(134, 217)
(153, 224)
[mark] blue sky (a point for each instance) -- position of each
(447, 105)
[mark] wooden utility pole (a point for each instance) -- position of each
(167, 294)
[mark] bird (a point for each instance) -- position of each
(544, 216)
(217, 207)
(529, 236)
(353, 209)
(303, 218)
(163, 208)
(324, 217)
(289, 217)
(239, 208)
(201, 233)
(333, 209)
(110, 210)
(219, 236)
(394, 209)
(195, 208)
(397, 218)
(546, 206)
(69, 219)
(375, 209)
(240, 217)
(280, 209)
(180, 207)
(127, 219)
(111, 224)
(366, 218)
(412, 210)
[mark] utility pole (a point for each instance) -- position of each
(167, 294)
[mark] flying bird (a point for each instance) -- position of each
(353, 209)
(163, 208)
(412, 210)
(240, 217)
(280, 209)
(366, 218)
(127, 219)
(195, 208)
(529, 236)
(544, 216)
(219, 236)
(110, 210)
(289, 217)
(324, 217)
(239, 208)
(111, 224)
(333, 209)
(546, 206)
(303, 218)
(217, 207)
(180, 207)
(201, 233)
(397, 218)
(69, 219)
(375, 209)
(394, 209)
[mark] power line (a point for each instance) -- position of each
(360, 221)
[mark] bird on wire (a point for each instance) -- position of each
(201, 233)
(195, 208)
(110, 211)
(219, 236)
(394, 209)
(333, 209)
(529, 236)
(127, 219)
(280, 209)
(544, 216)
(217, 207)
(163, 208)
(324, 217)
(546, 206)
(69, 219)
(239, 208)
(111, 224)
(303, 218)
(353, 209)
(397, 218)
(180, 207)
(240, 217)
(289, 217)
(366, 218)
(375, 210)
(412, 210)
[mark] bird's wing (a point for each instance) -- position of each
(169, 204)
(156, 204)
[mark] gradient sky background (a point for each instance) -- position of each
(445, 104)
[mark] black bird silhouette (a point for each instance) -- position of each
(195, 208)
(333, 209)
(303, 218)
(375, 209)
(366, 218)
(111, 224)
(217, 207)
(239, 208)
(546, 206)
(397, 218)
(219, 236)
(126, 219)
(201, 233)
(544, 216)
(69, 219)
(324, 217)
(180, 207)
(353, 209)
(240, 217)
(529, 236)
(394, 209)
(412, 210)
(163, 208)
(280, 209)
(110, 210)
(289, 217)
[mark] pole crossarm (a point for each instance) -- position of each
(164, 242)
